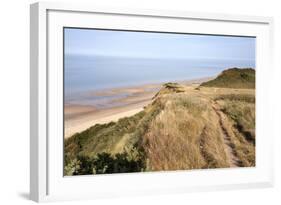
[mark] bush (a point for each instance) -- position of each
(104, 163)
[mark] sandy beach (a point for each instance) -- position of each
(73, 126)
(112, 104)
(79, 117)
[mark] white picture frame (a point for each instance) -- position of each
(47, 182)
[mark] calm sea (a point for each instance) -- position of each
(88, 73)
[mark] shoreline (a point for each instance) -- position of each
(84, 121)
(79, 117)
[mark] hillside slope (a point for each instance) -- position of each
(183, 128)
(233, 78)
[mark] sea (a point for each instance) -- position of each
(83, 73)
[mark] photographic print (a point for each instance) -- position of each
(137, 101)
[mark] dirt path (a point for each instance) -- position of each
(230, 152)
(233, 159)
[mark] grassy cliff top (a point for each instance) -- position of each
(180, 129)
(233, 78)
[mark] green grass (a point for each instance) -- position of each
(98, 139)
(233, 78)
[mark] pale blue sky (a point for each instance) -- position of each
(157, 45)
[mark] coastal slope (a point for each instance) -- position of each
(185, 127)
(233, 78)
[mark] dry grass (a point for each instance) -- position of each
(243, 114)
(184, 136)
(179, 130)
(240, 111)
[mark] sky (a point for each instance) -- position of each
(128, 44)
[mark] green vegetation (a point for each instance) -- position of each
(103, 163)
(112, 139)
(233, 78)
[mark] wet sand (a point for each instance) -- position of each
(79, 117)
